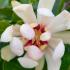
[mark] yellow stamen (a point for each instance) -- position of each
(33, 25)
(42, 47)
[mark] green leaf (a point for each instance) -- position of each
(58, 6)
(3, 44)
(6, 13)
(24, 1)
(68, 8)
(67, 0)
(3, 25)
(34, 3)
(66, 59)
(4, 3)
(12, 65)
(15, 19)
(0, 62)
(67, 5)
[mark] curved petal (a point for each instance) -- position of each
(41, 64)
(6, 54)
(45, 12)
(7, 34)
(65, 36)
(26, 62)
(58, 48)
(27, 31)
(15, 3)
(34, 52)
(44, 15)
(16, 30)
(61, 22)
(52, 64)
(16, 46)
(45, 36)
(25, 12)
(46, 4)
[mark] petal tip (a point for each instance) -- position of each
(7, 34)
(27, 62)
(27, 31)
(6, 54)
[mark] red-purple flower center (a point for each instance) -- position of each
(36, 40)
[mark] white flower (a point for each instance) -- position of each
(41, 37)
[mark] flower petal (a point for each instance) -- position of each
(7, 34)
(44, 15)
(41, 64)
(25, 12)
(16, 46)
(27, 31)
(6, 54)
(45, 12)
(58, 48)
(15, 3)
(45, 36)
(46, 4)
(65, 36)
(34, 52)
(27, 62)
(16, 30)
(61, 22)
(51, 63)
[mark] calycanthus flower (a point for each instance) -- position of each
(41, 37)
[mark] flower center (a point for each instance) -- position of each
(36, 40)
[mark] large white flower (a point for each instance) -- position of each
(40, 37)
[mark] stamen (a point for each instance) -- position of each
(33, 25)
(36, 40)
(42, 47)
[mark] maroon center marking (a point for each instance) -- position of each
(40, 29)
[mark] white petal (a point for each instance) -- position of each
(58, 48)
(65, 36)
(52, 64)
(44, 15)
(27, 31)
(61, 22)
(34, 52)
(16, 30)
(15, 3)
(46, 4)
(7, 34)
(6, 54)
(27, 62)
(16, 46)
(45, 12)
(25, 12)
(41, 64)
(45, 36)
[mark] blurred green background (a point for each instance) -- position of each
(8, 17)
